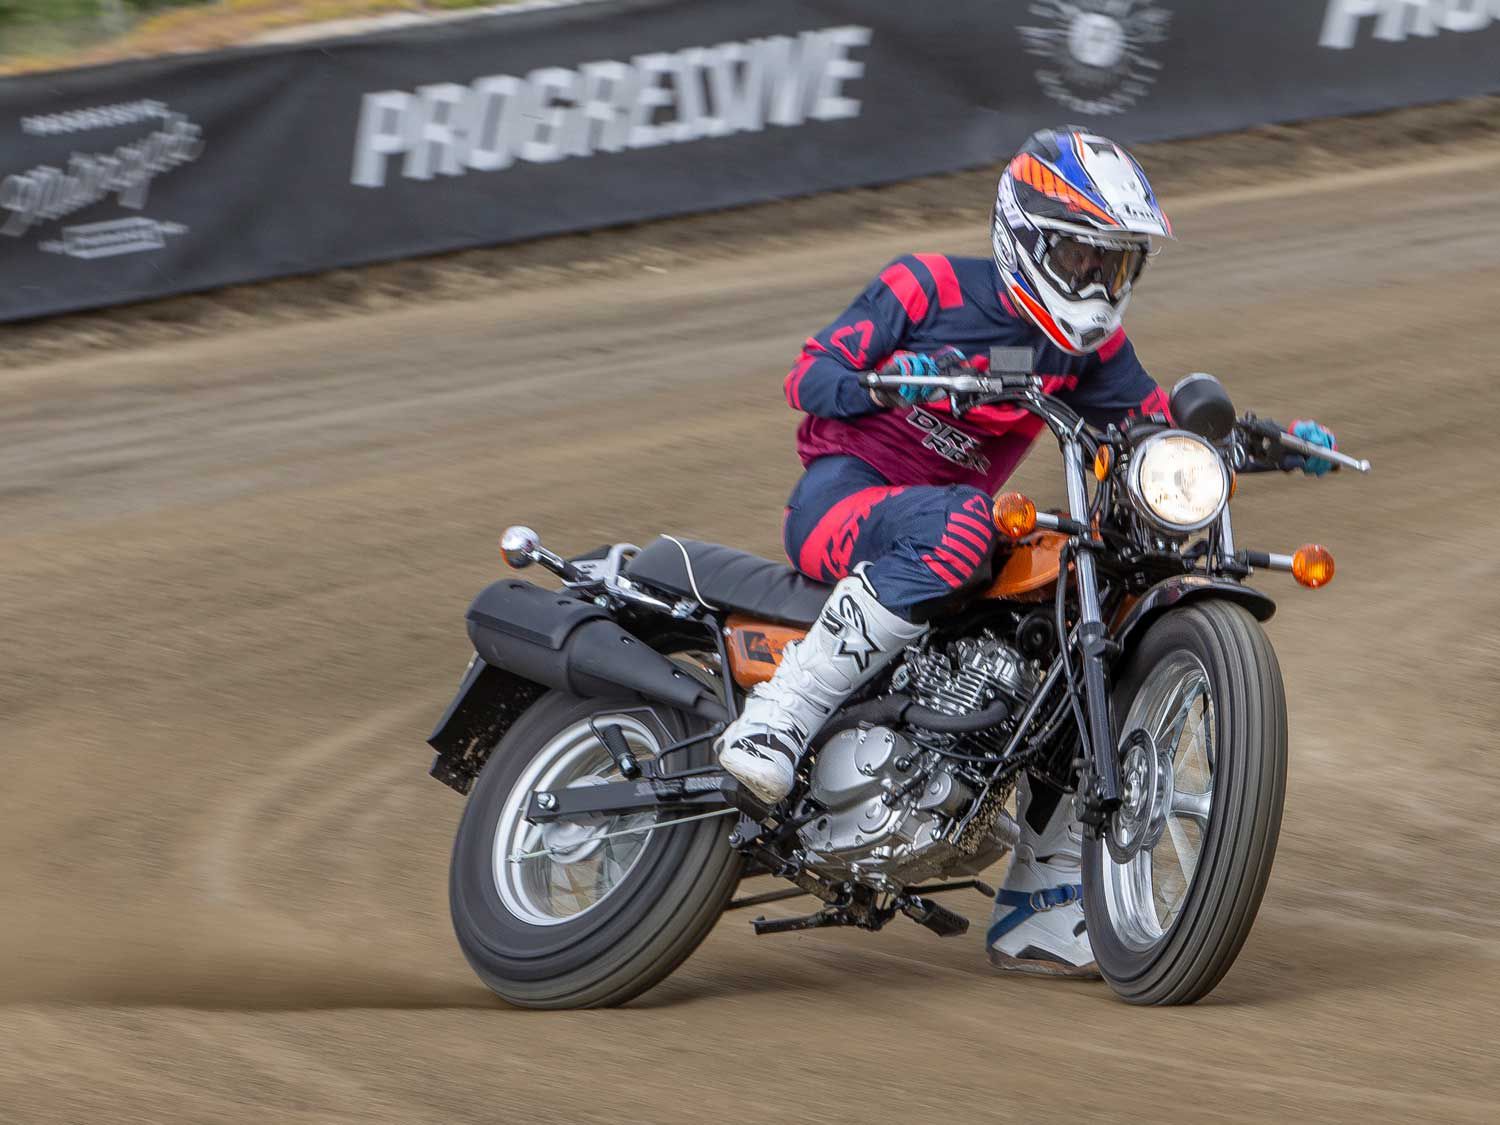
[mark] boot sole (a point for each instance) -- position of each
(745, 775)
(1032, 967)
(767, 797)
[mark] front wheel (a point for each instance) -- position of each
(1172, 887)
(586, 913)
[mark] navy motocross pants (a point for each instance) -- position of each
(923, 542)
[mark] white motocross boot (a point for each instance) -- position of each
(1038, 923)
(852, 640)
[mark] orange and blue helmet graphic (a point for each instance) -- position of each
(1076, 178)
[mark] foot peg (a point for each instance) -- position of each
(614, 741)
(939, 919)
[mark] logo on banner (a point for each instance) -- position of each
(34, 199)
(556, 113)
(1396, 20)
(1096, 51)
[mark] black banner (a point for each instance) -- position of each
(144, 179)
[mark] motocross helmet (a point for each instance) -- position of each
(1073, 221)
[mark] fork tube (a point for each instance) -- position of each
(1078, 508)
(1103, 789)
(1226, 536)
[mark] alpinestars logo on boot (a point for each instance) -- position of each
(847, 623)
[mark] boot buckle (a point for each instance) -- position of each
(1053, 897)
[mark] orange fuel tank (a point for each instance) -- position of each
(1031, 569)
(755, 648)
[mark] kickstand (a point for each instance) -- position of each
(830, 917)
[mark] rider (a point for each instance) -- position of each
(895, 503)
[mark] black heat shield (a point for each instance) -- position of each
(557, 640)
(529, 638)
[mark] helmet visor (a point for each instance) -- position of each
(1086, 267)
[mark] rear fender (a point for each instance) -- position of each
(488, 702)
(1182, 590)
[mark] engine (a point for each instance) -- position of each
(890, 801)
(968, 676)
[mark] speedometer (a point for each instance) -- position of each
(1178, 481)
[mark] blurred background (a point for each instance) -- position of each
(38, 35)
(286, 340)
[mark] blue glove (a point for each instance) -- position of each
(914, 363)
(910, 363)
(1316, 435)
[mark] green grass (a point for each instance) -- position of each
(52, 34)
(49, 26)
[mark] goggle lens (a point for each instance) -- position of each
(1078, 265)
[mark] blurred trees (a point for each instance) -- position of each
(44, 26)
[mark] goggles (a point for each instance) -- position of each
(1081, 265)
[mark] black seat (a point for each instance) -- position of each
(729, 579)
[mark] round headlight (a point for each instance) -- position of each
(1178, 481)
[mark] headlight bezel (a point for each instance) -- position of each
(1133, 489)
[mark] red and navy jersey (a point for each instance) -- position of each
(923, 302)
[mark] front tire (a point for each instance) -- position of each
(1168, 919)
(595, 922)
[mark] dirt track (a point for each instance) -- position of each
(232, 575)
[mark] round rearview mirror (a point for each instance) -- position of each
(1200, 405)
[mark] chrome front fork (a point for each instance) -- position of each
(1099, 788)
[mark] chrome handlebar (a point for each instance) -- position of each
(962, 382)
(1307, 449)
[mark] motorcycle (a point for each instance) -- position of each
(1114, 652)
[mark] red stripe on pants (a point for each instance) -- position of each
(963, 550)
(936, 568)
(825, 553)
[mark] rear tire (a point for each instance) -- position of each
(1151, 952)
(660, 904)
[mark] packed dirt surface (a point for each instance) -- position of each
(232, 579)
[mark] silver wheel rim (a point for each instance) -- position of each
(579, 868)
(1175, 708)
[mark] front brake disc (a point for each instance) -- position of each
(1141, 817)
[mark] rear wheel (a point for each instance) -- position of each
(587, 913)
(1172, 889)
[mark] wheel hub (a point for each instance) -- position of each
(1146, 778)
(571, 841)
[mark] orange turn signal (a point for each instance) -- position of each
(1103, 461)
(1015, 515)
(1312, 566)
